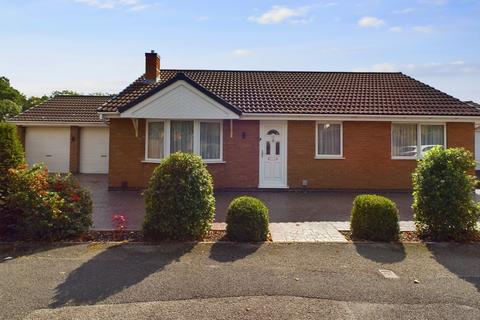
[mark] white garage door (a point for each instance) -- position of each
(94, 150)
(50, 146)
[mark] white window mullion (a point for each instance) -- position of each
(221, 140)
(167, 137)
(196, 137)
(419, 141)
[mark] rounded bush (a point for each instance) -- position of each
(374, 218)
(247, 220)
(179, 201)
(443, 195)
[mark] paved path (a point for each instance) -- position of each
(240, 281)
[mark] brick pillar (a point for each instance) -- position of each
(74, 149)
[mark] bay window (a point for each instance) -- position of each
(329, 142)
(164, 137)
(155, 140)
(411, 140)
(181, 136)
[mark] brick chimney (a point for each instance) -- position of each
(152, 66)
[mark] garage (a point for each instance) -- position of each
(66, 133)
(94, 150)
(50, 145)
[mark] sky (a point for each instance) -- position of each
(99, 45)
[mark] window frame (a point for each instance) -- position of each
(419, 138)
(196, 135)
(196, 139)
(329, 156)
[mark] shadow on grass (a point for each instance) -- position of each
(230, 252)
(114, 270)
(461, 259)
(381, 252)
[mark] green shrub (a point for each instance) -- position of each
(11, 151)
(40, 206)
(374, 218)
(443, 194)
(11, 156)
(247, 220)
(179, 201)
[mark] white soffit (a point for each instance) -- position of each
(180, 100)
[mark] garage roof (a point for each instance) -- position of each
(65, 109)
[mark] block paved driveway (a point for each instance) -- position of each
(294, 216)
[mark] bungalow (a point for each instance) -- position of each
(275, 129)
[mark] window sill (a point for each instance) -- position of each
(405, 158)
(204, 161)
(329, 158)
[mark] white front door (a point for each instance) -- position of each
(273, 154)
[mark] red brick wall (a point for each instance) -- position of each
(366, 148)
(74, 149)
(367, 153)
(240, 153)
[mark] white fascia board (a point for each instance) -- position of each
(57, 124)
(107, 115)
(349, 117)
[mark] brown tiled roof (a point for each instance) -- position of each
(308, 93)
(65, 109)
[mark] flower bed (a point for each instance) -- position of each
(405, 236)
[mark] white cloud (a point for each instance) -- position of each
(404, 11)
(370, 22)
(202, 18)
(435, 2)
(422, 29)
(278, 14)
(131, 5)
(384, 67)
(242, 53)
(396, 29)
(453, 68)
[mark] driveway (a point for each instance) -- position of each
(285, 206)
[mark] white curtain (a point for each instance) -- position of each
(181, 136)
(155, 140)
(329, 139)
(210, 140)
(404, 140)
(432, 135)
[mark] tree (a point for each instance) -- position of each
(9, 93)
(35, 101)
(8, 109)
(64, 93)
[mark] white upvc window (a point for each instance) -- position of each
(328, 140)
(203, 137)
(412, 140)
